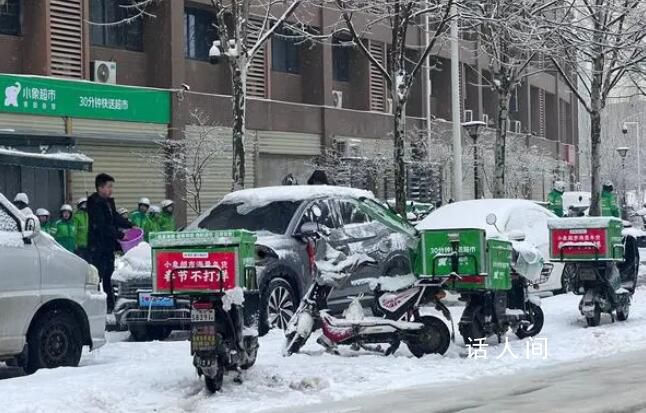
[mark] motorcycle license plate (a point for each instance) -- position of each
(202, 315)
(203, 338)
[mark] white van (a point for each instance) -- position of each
(50, 303)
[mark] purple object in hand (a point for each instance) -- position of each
(131, 239)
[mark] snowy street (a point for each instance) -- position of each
(615, 383)
(132, 377)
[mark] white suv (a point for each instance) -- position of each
(50, 304)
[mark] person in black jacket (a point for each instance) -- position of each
(105, 226)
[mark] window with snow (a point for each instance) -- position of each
(118, 25)
(10, 17)
(341, 56)
(7, 222)
(199, 33)
(285, 51)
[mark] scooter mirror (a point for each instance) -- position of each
(308, 229)
(316, 211)
(492, 219)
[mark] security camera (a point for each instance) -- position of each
(624, 129)
(215, 53)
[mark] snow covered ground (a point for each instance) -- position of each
(133, 377)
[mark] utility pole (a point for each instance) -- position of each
(455, 106)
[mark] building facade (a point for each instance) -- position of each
(303, 97)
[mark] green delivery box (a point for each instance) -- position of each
(195, 262)
(586, 239)
(482, 263)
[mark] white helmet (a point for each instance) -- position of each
(122, 210)
(66, 207)
(80, 201)
(155, 209)
(144, 201)
(559, 186)
(166, 203)
(42, 212)
(22, 197)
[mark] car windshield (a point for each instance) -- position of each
(273, 217)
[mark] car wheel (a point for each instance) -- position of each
(277, 305)
(568, 271)
(54, 341)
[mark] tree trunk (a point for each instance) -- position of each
(400, 165)
(596, 105)
(595, 149)
(501, 145)
(239, 80)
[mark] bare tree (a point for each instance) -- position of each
(234, 27)
(401, 18)
(512, 38)
(603, 45)
(236, 20)
(189, 160)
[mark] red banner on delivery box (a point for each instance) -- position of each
(579, 241)
(195, 270)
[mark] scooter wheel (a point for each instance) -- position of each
(293, 343)
(433, 338)
(595, 320)
(214, 384)
(622, 315)
(536, 318)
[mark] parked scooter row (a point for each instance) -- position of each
(397, 315)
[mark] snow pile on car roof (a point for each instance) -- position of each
(135, 264)
(259, 197)
(472, 214)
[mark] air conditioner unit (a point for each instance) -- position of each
(485, 119)
(337, 99)
(348, 148)
(467, 116)
(104, 72)
(517, 126)
(389, 106)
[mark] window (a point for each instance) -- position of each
(285, 52)
(10, 17)
(351, 214)
(273, 217)
(329, 216)
(7, 222)
(341, 55)
(124, 35)
(199, 33)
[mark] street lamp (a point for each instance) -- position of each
(473, 128)
(623, 151)
(624, 129)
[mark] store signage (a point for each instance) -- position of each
(39, 95)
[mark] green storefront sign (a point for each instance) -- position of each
(46, 96)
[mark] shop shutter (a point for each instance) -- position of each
(216, 181)
(289, 143)
(131, 167)
(32, 124)
(125, 131)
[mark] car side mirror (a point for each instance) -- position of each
(308, 230)
(30, 228)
